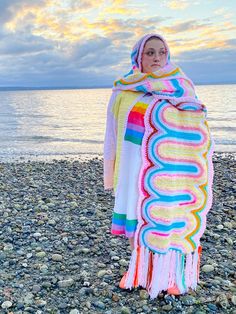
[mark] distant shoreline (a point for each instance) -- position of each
(25, 88)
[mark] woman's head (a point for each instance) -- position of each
(153, 55)
(150, 53)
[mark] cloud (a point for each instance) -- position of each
(69, 43)
(209, 65)
(191, 25)
(27, 44)
(178, 5)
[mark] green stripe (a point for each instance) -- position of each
(119, 216)
(128, 222)
(133, 139)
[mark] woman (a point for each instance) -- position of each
(158, 159)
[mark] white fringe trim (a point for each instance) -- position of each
(172, 268)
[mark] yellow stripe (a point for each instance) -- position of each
(148, 75)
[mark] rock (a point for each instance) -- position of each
(188, 300)
(123, 262)
(40, 302)
(143, 294)
(222, 301)
(212, 307)
(20, 305)
(43, 268)
(228, 225)
(230, 241)
(8, 247)
(167, 307)
(28, 299)
(101, 273)
(65, 283)
(36, 288)
(207, 268)
(125, 310)
(37, 235)
(74, 311)
(99, 304)
(85, 250)
(115, 297)
(57, 257)
(6, 304)
(62, 305)
(40, 254)
(233, 299)
(115, 258)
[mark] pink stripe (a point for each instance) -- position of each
(117, 232)
(122, 232)
(135, 127)
(118, 227)
(136, 118)
(161, 234)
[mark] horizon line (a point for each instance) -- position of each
(15, 88)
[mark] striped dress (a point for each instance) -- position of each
(122, 157)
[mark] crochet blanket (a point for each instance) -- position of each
(175, 195)
(175, 180)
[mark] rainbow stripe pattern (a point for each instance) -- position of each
(122, 225)
(135, 124)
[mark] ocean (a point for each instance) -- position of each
(55, 124)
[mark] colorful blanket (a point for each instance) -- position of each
(175, 181)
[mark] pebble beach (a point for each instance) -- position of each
(57, 254)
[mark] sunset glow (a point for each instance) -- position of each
(77, 43)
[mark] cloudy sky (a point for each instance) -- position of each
(87, 43)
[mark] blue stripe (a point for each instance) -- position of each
(134, 133)
(122, 223)
(174, 225)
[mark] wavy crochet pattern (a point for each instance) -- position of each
(175, 196)
(174, 180)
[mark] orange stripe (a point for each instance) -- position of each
(122, 81)
(199, 259)
(150, 268)
(138, 109)
(137, 268)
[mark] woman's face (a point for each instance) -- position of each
(153, 56)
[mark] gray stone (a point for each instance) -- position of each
(66, 283)
(101, 273)
(212, 307)
(74, 311)
(125, 310)
(37, 235)
(40, 254)
(57, 257)
(188, 300)
(8, 247)
(207, 268)
(6, 304)
(36, 288)
(233, 299)
(222, 301)
(99, 304)
(167, 307)
(230, 241)
(43, 268)
(143, 294)
(123, 262)
(29, 298)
